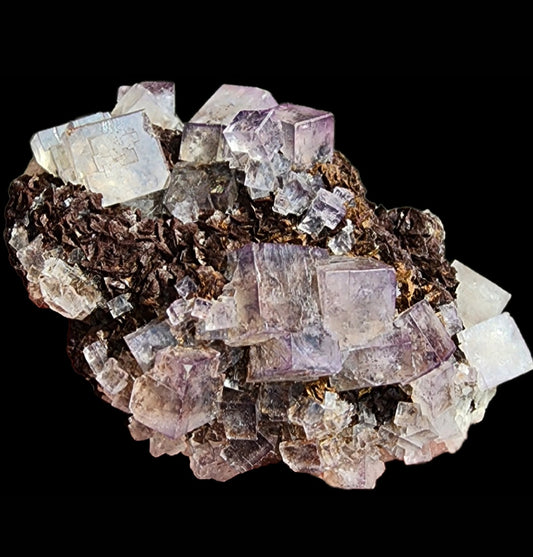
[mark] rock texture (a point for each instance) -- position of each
(232, 289)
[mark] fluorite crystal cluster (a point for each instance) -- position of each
(231, 288)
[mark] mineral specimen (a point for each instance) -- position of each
(230, 287)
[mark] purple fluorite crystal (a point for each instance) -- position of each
(232, 290)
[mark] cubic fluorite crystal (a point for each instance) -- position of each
(232, 290)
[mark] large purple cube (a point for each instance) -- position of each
(308, 134)
(357, 298)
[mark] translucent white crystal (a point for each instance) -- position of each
(107, 371)
(96, 355)
(119, 305)
(18, 239)
(228, 100)
(67, 290)
(200, 308)
(298, 191)
(48, 145)
(118, 157)
(260, 177)
(343, 241)
(308, 134)
(146, 341)
(478, 298)
(186, 286)
(496, 349)
(255, 133)
(326, 210)
(156, 98)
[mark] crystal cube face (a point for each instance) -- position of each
(272, 288)
(147, 340)
(156, 98)
(381, 361)
(118, 157)
(47, 145)
(357, 298)
(431, 343)
(203, 143)
(496, 349)
(326, 210)
(254, 132)
(478, 298)
(180, 392)
(228, 100)
(294, 357)
(308, 134)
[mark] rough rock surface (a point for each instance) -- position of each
(230, 287)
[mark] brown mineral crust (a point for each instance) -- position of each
(170, 143)
(382, 401)
(409, 239)
(22, 193)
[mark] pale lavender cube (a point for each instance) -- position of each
(228, 100)
(180, 393)
(274, 290)
(146, 341)
(308, 134)
(254, 132)
(381, 361)
(357, 298)
(294, 357)
(326, 210)
(432, 345)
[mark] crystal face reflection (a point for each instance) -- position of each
(236, 294)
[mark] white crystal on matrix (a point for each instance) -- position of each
(228, 100)
(48, 146)
(478, 298)
(156, 98)
(496, 349)
(246, 305)
(203, 136)
(118, 157)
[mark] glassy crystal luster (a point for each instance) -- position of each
(232, 290)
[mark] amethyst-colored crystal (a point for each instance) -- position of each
(231, 289)
(308, 134)
(357, 298)
(431, 343)
(180, 392)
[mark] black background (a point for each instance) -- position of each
(458, 146)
